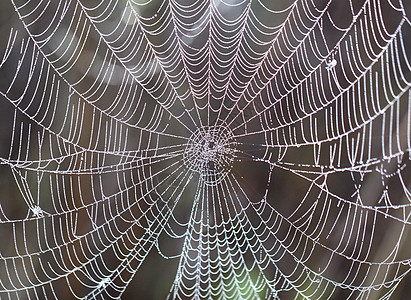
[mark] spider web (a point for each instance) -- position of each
(262, 147)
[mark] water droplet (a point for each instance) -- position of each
(331, 64)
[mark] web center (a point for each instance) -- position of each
(210, 153)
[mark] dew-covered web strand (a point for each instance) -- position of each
(102, 38)
(320, 64)
(96, 229)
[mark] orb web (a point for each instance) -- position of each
(223, 149)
